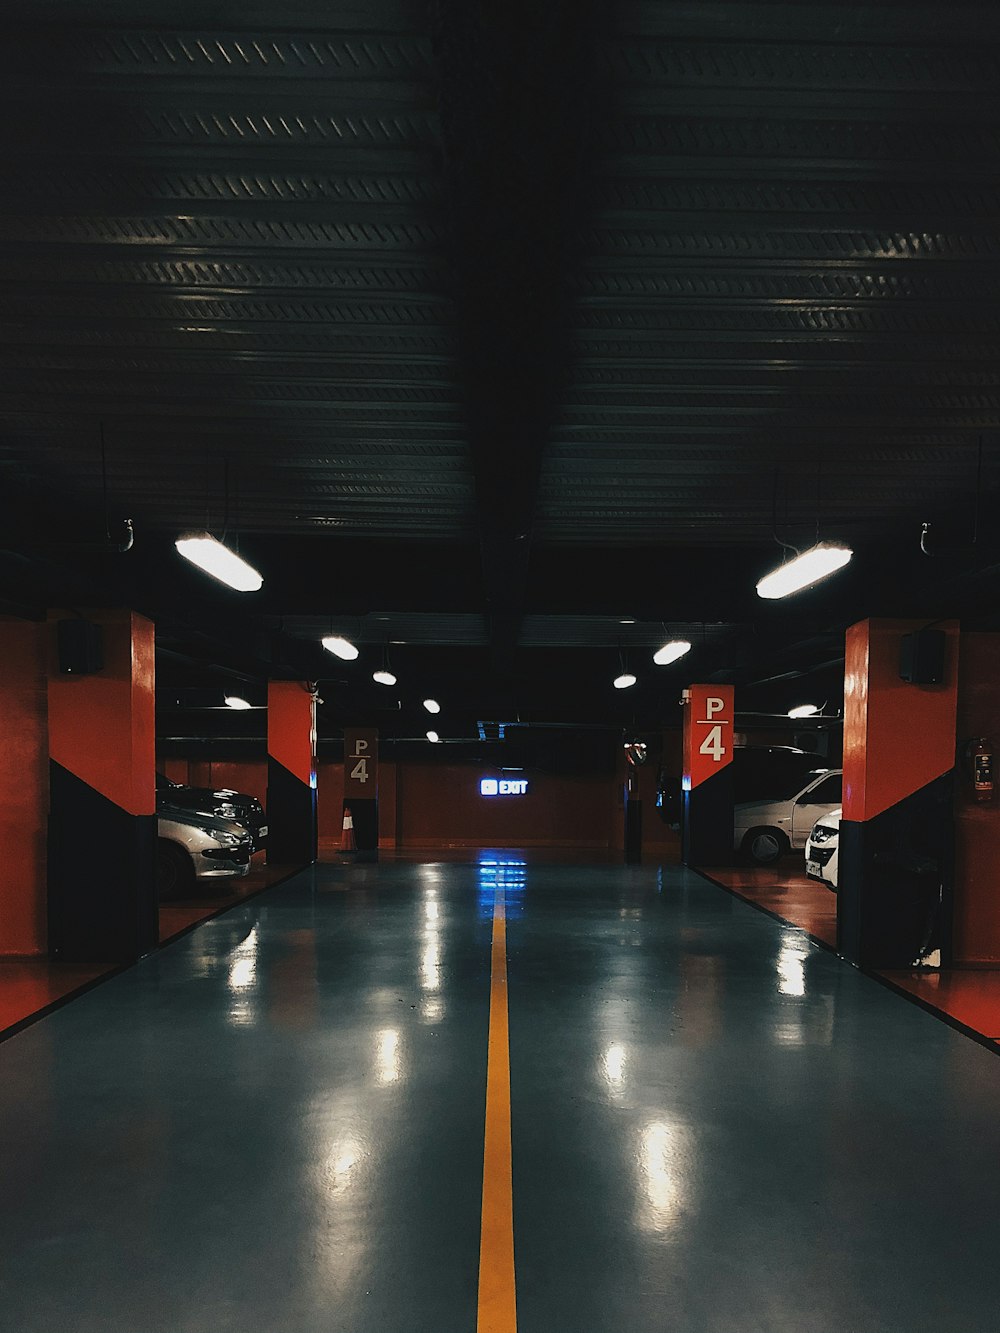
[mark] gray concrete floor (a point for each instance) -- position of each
(276, 1123)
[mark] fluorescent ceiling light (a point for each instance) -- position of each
(383, 678)
(219, 561)
(432, 706)
(623, 681)
(433, 736)
(804, 710)
(671, 651)
(234, 701)
(342, 648)
(805, 570)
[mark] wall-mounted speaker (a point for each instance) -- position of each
(80, 646)
(921, 657)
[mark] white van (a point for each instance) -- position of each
(764, 830)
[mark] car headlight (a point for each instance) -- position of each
(821, 834)
(227, 839)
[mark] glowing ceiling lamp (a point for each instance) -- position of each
(624, 681)
(384, 675)
(342, 648)
(234, 701)
(217, 560)
(804, 710)
(806, 569)
(432, 706)
(433, 737)
(670, 652)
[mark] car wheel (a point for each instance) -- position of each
(764, 846)
(174, 871)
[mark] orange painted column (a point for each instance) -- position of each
(102, 778)
(706, 782)
(291, 773)
(896, 835)
(24, 787)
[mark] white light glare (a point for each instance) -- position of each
(433, 736)
(219, 561)
(805, 570)
(383, 678)
(623, 681)
(804, 710)
(432, 706)
(234, 701)
(671, 651)
(342, 648)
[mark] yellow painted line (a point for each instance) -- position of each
(497, 1303)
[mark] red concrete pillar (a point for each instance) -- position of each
(24, 787)
(291, 773)
(895, 852)
(707, 785)
(102, 777)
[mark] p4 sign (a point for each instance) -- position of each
(708, 732)
(360, 765)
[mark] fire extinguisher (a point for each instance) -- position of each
(980, 754)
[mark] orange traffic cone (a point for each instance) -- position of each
(347, 843)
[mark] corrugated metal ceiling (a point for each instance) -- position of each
(643, 280)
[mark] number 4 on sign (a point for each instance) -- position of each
(360, 770)
(713, 744)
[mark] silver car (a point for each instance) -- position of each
(194, 848)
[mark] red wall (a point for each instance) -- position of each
(977, 827)
(438, 805)
(24, 786)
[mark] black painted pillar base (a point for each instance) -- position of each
(102, 900)
(895, 874)
(291, 817)
(365, 816)
(633, 832)
(707, 822)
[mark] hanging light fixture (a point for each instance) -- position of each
(384, 676)
(671, 652)
(804, 710)
(340, 647)
(217, 560)
(433, 737)
(432, 706)
(625, 679)
(819, 562)
(234, 701)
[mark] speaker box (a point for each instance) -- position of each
(921, 657)
(80, 647)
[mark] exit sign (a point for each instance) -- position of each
(503, 786)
